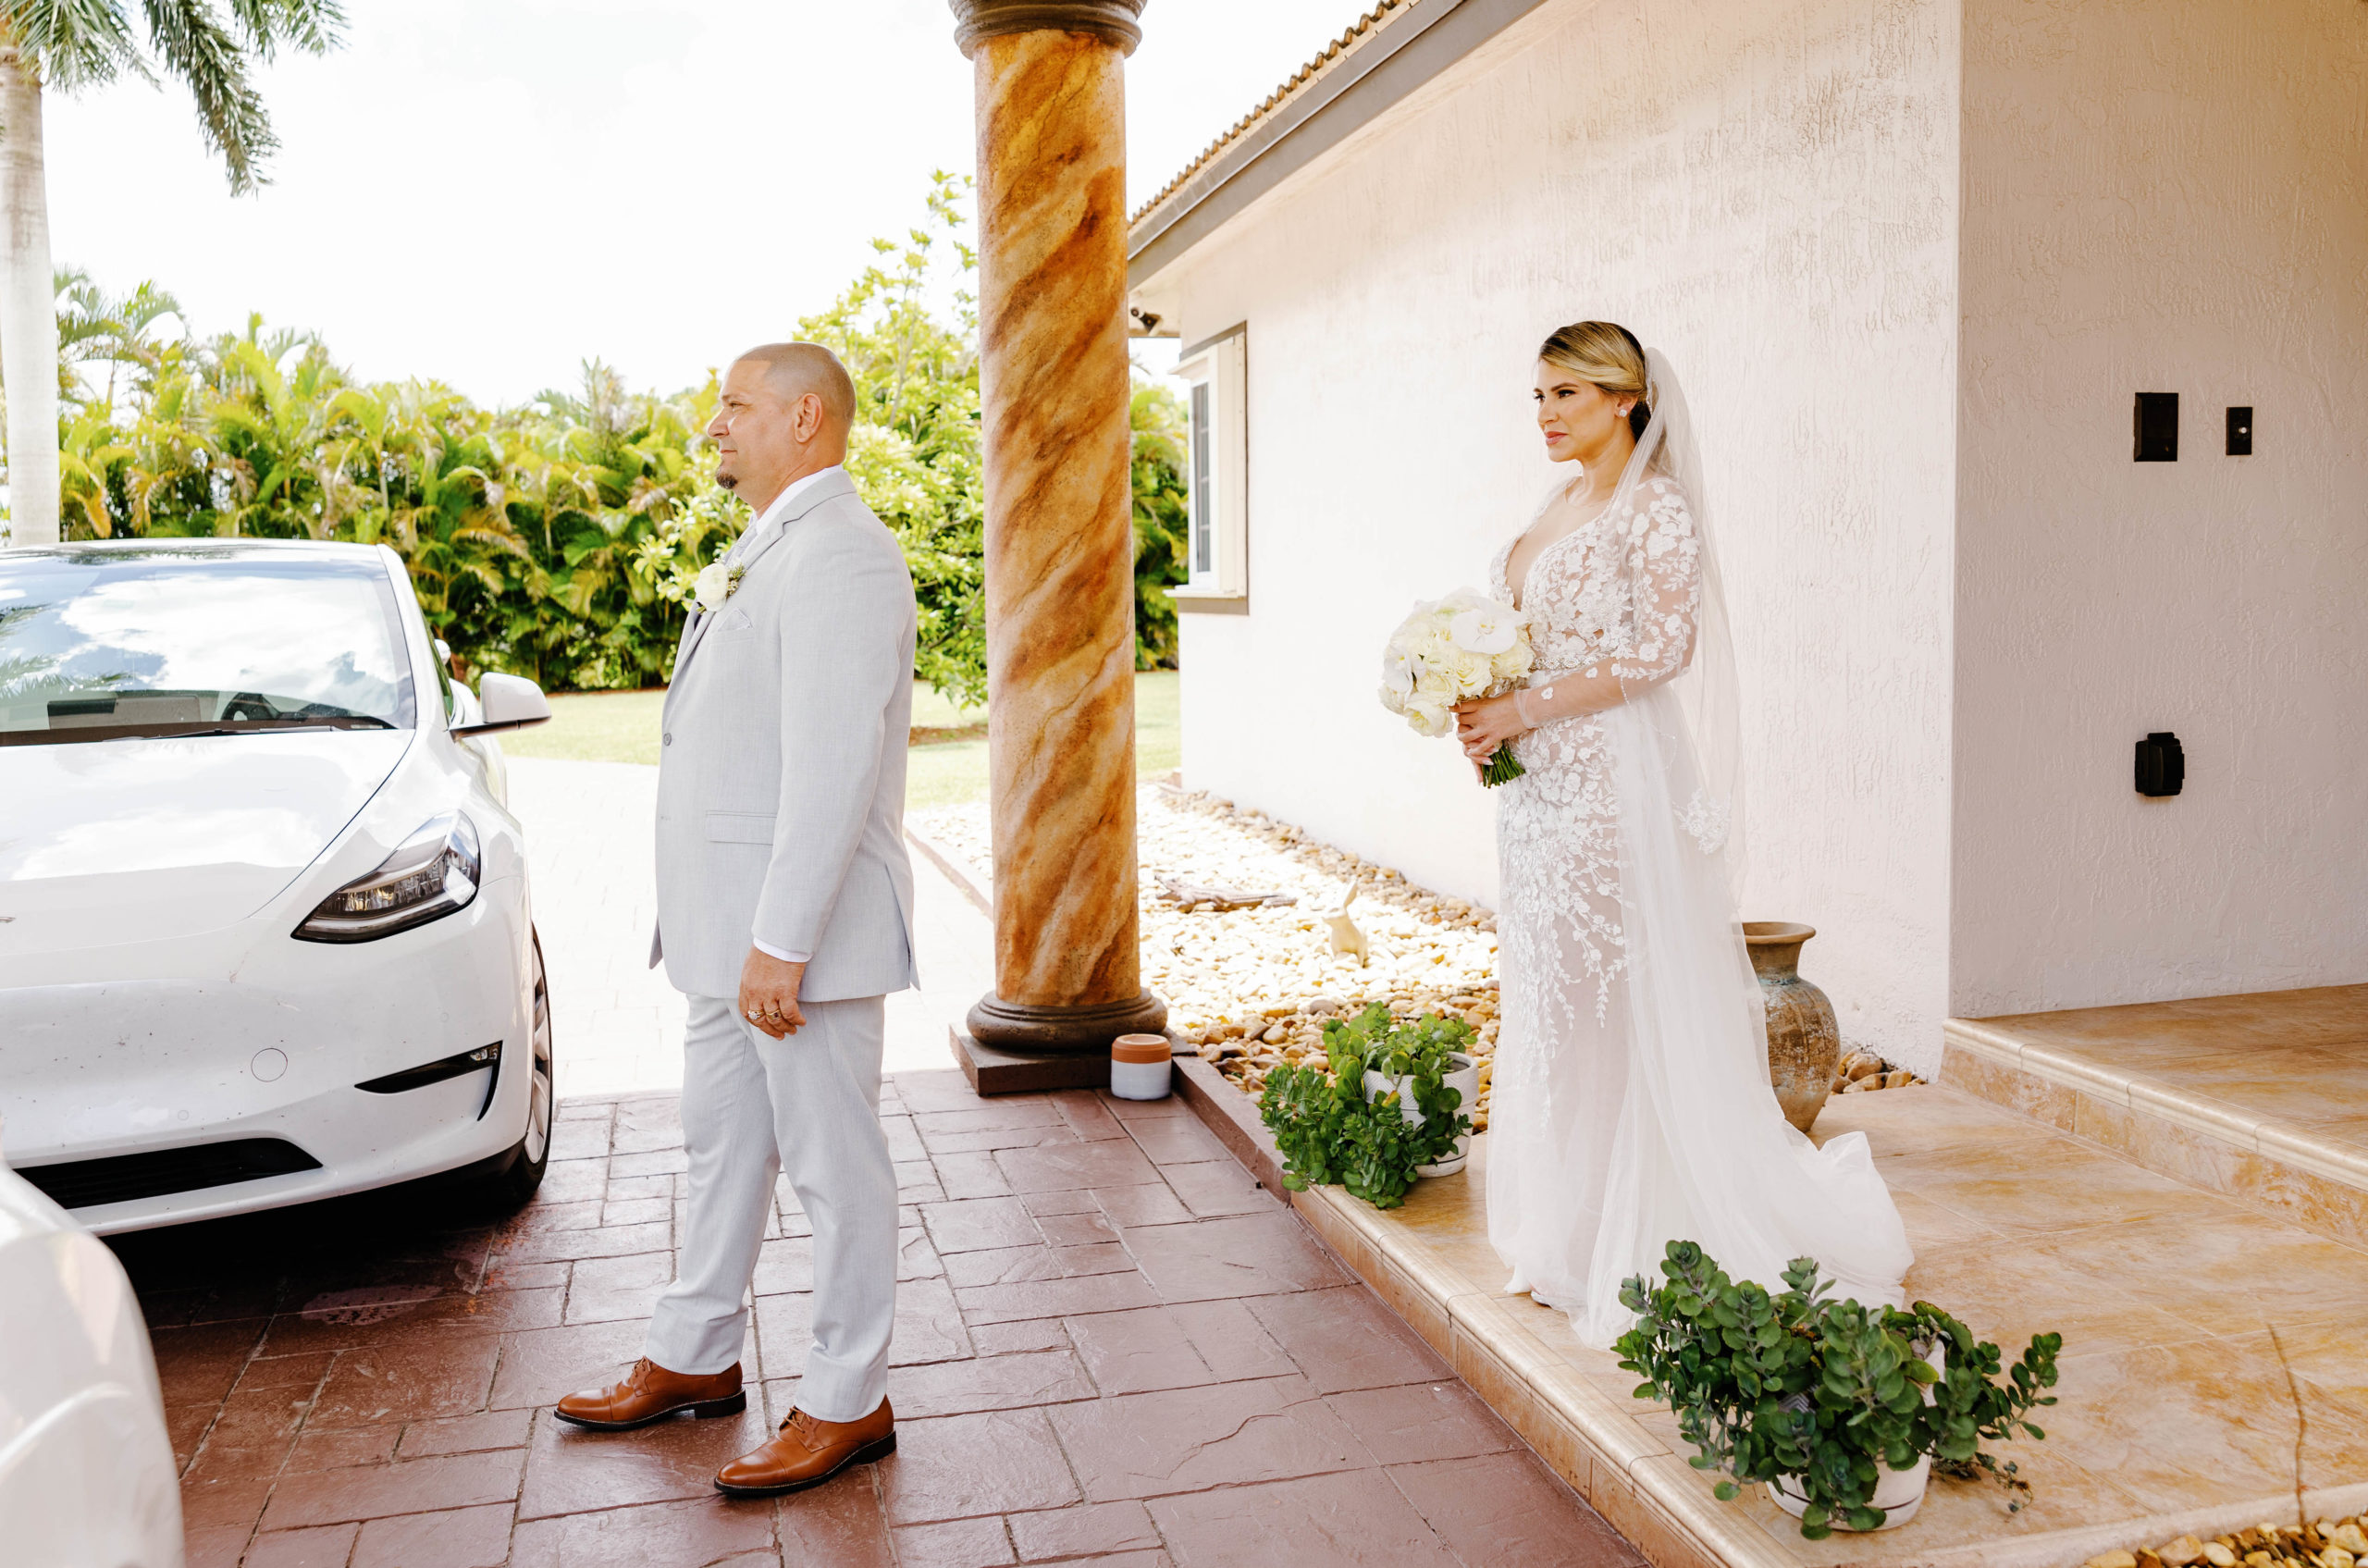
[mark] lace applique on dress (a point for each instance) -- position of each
(1620, 588)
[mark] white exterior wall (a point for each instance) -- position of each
(2161, 195)
(1766, 191)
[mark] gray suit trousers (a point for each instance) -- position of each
(806, 1107)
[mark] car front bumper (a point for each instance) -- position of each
(248, 1034)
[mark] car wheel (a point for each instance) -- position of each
(521, 1172)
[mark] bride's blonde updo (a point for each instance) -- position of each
(1605, 355)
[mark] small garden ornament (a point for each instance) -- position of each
(1347, 935)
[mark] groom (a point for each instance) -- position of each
(784, 911)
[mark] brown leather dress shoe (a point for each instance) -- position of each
(806, 1453)
(650, 1393)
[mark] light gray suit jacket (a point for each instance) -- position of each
(781, 783)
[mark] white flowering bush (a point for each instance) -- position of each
(1450, 650)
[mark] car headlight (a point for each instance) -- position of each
(434, 873)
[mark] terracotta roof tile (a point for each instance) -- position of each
(1385, 12)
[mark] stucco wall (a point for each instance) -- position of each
(2161, 195)
(1766, 191)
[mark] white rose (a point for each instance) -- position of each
(1429, 715)
(712, 586)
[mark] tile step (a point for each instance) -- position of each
(2304, 1177)
(1596, 1440)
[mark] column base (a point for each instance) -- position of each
(995, 1072)
(1043, 1030)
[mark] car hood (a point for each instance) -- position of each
(123, 840)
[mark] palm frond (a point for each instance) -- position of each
(76, 42)
(196, 47)
(316, 27)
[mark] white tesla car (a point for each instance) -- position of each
(86, 1468)
(264, 929)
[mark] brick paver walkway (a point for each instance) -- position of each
(1110, 1344)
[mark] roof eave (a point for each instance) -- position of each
(1389, 68)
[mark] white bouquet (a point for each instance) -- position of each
(1450, 650)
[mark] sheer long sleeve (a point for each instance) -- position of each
(1661, 576)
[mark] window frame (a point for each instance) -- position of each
(1216, 376)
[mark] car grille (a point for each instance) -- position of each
(119, 1178)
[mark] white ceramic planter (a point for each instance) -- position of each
(1900, 1492)
(1464, 1081)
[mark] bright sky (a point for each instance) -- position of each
(490, 191)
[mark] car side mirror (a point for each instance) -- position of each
(510, 702)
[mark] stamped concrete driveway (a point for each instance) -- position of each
(590, 840)
(1110, 1344)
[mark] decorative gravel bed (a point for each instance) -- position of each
(1252, 986)
(2326, 1543)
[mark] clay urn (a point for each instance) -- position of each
(1804, 1041)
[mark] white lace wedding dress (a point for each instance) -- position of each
(1631, 1102)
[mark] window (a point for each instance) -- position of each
(1219, 556)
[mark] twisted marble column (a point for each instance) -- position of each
(1053, 380)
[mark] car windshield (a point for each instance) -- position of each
(115, 642)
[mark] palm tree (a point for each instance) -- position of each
(72, 44)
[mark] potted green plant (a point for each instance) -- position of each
(1841, 1410)
(1416, 1061)
(1381, 1112)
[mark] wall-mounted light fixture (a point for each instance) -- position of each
(2162, 765)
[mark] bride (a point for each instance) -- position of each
(1632, 1104)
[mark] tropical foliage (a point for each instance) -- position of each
(62, 45)
(557, 540)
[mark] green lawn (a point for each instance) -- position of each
(948, 762)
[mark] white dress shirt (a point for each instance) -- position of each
(771, 518)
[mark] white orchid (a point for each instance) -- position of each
(1488, 629)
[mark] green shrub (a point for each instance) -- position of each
(1329, 1132)
(556, 539)
(1799, 1386)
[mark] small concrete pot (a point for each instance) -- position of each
(1464, 1081)
(1804, 1041)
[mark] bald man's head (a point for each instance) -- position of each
(798, 368)
(783, 411)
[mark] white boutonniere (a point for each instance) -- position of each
(714, 584)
